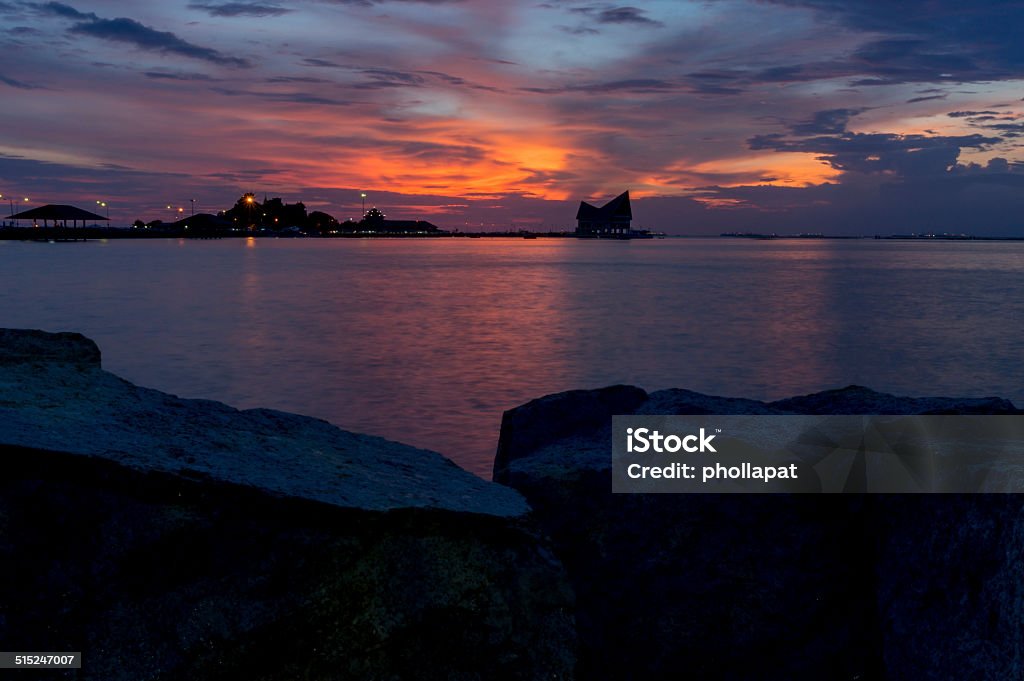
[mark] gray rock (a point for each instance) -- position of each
(560, 417)
(773, 586)
(24, 346)
(855, 399)
(56, 397)
(171, 539)
(950, 585)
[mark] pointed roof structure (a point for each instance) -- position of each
(609, 221)
(615, 210)
(56, 212)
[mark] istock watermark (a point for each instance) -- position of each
(644, 439)
(817, 454)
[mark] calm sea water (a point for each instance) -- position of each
(428, 341)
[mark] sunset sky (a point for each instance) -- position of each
(785, 115)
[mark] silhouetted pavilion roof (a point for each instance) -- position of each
(616, 208)
(56, 212)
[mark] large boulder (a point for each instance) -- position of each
(779, 587)
(168, 538)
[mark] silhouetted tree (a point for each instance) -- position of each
(247, 211)
(321, 222)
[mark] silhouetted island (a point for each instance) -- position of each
(274, 217)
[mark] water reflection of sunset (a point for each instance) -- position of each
(428, 342)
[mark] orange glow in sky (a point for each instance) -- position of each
(461, 108)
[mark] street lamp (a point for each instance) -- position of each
(249, 200)
(193, 207)
(103, 204)
(363, 196)
(11, 200)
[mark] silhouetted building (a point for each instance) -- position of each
(374, 221)
(59, 214)
(611, 219)
(200, 225)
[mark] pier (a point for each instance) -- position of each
(59, 215)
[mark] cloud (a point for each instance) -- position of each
(716, 83)
(129, 31)
(382, 78)
(408, 149)
(1008, 129)
(321, 63)
(827, 122)
(994, 166)
(389, 78)
(59, 9)
(969, 114)
(19, 84)
(676, 106)
(641, 86)
(1006, 123)
(909, 61)
(978, 199)
(916, 41)
(460, 82)
(784, 74)
(239, 9)
(247, 176)
(628, 85)
(165, 75)
(617, 15)
(295, 79)
(930, 41)
(713, 89)
(286, 97)
(578, 30)
(446, 153)
(904, 155)
(371, 3)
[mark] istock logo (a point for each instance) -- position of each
(642, 440)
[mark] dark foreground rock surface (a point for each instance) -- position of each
(769, 586)
(183, 539)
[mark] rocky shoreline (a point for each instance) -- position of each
(768, 586)
(168, 538)
(183, 539)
